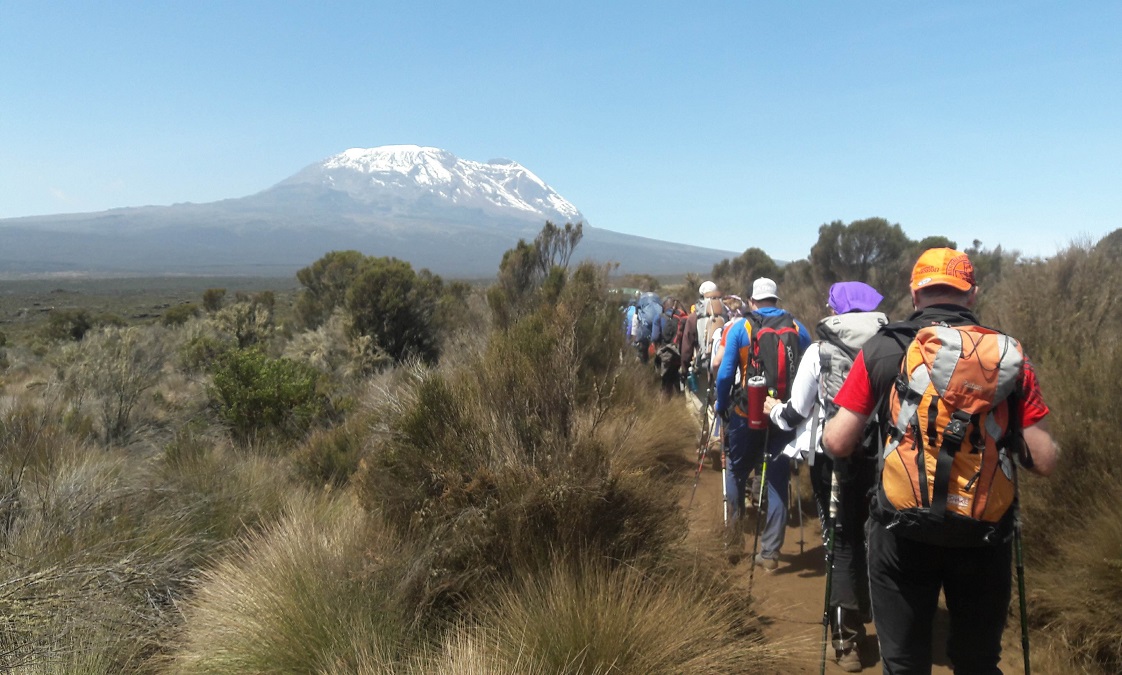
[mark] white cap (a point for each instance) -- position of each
(707, 289)
(764, 289)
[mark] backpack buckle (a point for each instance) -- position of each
(956, 428)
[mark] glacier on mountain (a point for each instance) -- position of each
(412, 174)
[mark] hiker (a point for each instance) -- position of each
(776, 358)
(649, 307)
(629, 321)
(706, 319)
(937, 528)
(734, 307)
(665, 336)
(822, 370)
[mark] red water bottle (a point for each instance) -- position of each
(757, 392)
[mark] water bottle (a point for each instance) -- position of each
(757, 392)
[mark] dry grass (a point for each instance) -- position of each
(589, 617)
(1068, 314)
(311, 594)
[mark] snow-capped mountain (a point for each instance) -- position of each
(423, 205)
(407, 175)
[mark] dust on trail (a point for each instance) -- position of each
(789, 601)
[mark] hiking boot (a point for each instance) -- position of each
(850, 659)
(769, 564)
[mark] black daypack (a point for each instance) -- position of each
(774, 352)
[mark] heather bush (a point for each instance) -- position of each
(257, 395)
(250, 322)
(330, 456)
(180, 314)
(112, 368)
(486, 490)
(201, 344)
(334, 349)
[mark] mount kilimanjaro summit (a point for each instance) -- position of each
(424, 205)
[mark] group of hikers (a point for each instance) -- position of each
(912, 432)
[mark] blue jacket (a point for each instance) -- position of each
(739, 339)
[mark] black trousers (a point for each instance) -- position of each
(905, 577)
(849, 585)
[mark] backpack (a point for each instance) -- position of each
(649, 307)
(946, 475)
(841, 337)
(774, 352)
(666, 327)
(711, 316)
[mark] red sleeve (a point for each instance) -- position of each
(856, 394)
(1033, 408)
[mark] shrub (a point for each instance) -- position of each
(1068, 315)
(395, 307)
(68, 324)
(180, 314)
(250, 323)
(508, 460)
(325, 285)
(330, 456)
(113, 366)
(255, 394)
(212, 299)
(203, 345)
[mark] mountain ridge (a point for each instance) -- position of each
(421, 204)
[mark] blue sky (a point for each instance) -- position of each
(728, 124)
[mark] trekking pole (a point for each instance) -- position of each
(702, 444)
(835, 497)
(1018, 547)
(761, 514)
(704, 441)
(799, 500)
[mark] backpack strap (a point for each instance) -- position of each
(953, 435)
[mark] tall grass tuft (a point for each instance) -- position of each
(313, 593)
(590, 617)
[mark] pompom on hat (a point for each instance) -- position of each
(943, 266)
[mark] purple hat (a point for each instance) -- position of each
(853, 296)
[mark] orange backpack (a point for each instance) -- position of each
(946, 463)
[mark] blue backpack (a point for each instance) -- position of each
(650, 306)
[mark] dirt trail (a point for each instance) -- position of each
(790, 599)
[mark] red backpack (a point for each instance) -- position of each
(774, 352)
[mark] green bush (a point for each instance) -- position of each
(330, 456)
(508, 460)
(180, 314)
(255, 394)
(68, 324)
(212, 299)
